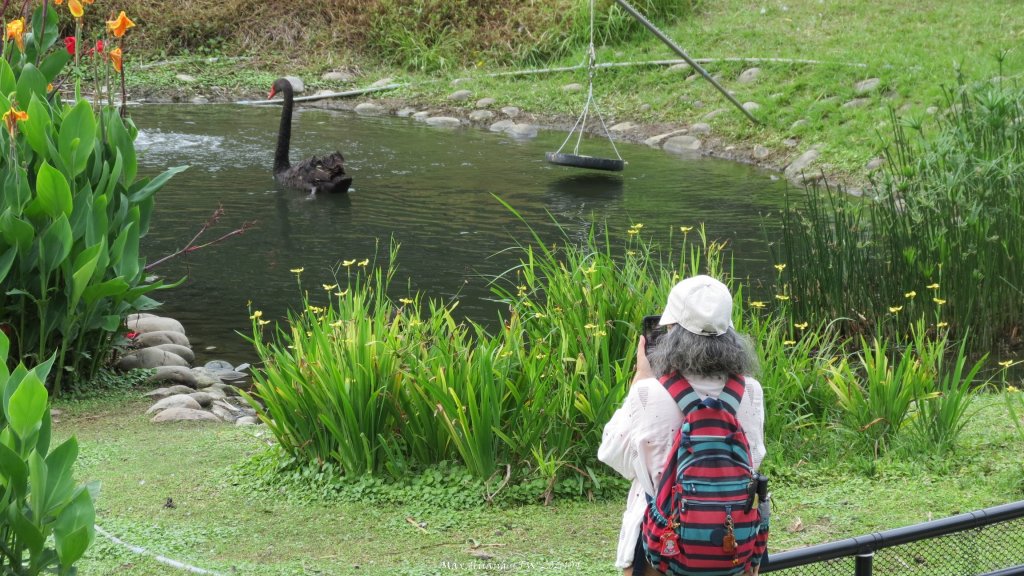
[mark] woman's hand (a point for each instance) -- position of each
(643, 366)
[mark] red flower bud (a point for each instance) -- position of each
(69, 43)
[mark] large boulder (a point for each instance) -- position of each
(173, 375)
(162, 337)
(183, 415)
(154, 324)
(183, 351)
(176, 401)
(150, 358)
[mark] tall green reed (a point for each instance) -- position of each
(939, 240)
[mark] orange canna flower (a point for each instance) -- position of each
(12, 117)
(115, 58)
(76, 8)
(16, 29)
(88, 1)
(120, 25)
(58, 2)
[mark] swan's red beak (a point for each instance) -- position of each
(272, 92)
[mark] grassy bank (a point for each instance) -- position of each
(219, 520)
(911, 47)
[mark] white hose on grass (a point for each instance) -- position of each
(157, 557)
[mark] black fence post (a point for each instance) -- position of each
(863, 564)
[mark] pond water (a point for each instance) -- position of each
(432, 190)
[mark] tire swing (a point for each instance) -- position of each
(575, 159)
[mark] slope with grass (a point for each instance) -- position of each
(911, 47)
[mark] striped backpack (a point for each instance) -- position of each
(703, 520)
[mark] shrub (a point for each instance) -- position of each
(39, 500)
(74, 211)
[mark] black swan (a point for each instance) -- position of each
(316, 174)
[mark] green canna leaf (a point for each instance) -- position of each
(84, 268)
(31, 83)
(55, 245)
(8, 83)
(26, 406)
(75, 528)
(16, 231)
(53, 64)
(38, 126)
(77, 137)
(113, 287)
(122, 142)
(144, 189)
(53, 192)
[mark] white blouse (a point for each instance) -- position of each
(637, 440)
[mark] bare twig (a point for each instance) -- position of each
(192, 246)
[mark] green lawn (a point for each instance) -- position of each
(218, 525)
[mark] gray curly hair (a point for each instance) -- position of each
(687, 353)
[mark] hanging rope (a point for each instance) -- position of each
(581, 122)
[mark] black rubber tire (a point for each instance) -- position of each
(591, 162)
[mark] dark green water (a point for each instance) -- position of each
(432, 190)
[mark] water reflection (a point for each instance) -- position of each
(433, 191)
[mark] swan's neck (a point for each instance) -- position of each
(284, 133)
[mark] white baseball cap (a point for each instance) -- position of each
(701, 305)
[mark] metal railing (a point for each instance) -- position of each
(987, 542)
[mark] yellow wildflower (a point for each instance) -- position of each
(934, 286)
(631, 253)
(330, 287)
(363, 262)
(297, 270)
(347, 263)
(340, 294)
(780, 267)
(895, 309)
(788, 342)
(1012, 389)
(911, 294)
(938, 301)
(539, 315)
(757, 304)
(406, 300)
(119, 25)
(600, 333)
(256, 314)
(633, 231)
(782, 297)
(337, 324)
(942, 324)
(802, 325)
(590, 326)
(16, 29)
(1006, 363)
(263, 322)
(685, 229)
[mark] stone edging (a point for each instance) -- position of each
(185, 393)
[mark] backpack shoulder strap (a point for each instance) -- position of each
(687, 398)
(681, 391)
(732, 393)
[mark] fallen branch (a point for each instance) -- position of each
(192, 246)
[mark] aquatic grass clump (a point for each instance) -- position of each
(942, 238)
(371, 384)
